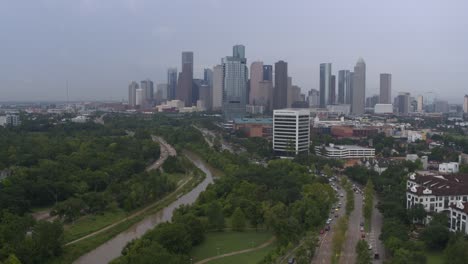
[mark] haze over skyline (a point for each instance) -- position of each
(99, 46)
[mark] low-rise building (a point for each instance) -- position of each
(459, 217)
(344, 151)
(254, 127)
(450, 167)
(436, 192)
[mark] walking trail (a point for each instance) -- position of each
(266, 244)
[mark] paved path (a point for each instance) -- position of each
(324, 249)
(266, 244)
(166, 151)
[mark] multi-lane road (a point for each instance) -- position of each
(166, 151)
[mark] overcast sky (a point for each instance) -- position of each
(101, 45)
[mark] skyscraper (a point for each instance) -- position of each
(267, 72)
(403, 103)
(325, 85)
(465, 104)
(140, 97)
(132, 87)
(385, 88)
(344, 82)
(313, 98)
(358, 94)
(235, 75)
(161, 92)
(218, 83)
(185, 83)
(171, 83)
(349, 92)
(238, 51)
(256, 76)
(280, 94)
(420, 102)
(290, 95)
(332, 90)
(148, 88)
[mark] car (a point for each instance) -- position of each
(321, 231)
(328, 222)
(337, 209)
(336, 215)
(363, 235)
(376, 256)
(291, 261)
(370, 247)
(327, 228)
(362, 229)
(362, 224)
(342, 195)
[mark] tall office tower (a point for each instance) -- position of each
(403, 103)
(148, 87)
(268, 73)
(196, 90)
(280, 94)
(291, 131)
(441, 106)
(325, 85)
(295, 94)
(420, 104)
(238, 51)
(185, 82)
(344, 82)
(218, 83)
(140, 97)
(385, 88)
(171, 83)
(132, 87)
(208, 76)
(333, 90)
(235, 74)
(256, 76)
(161, 92)
(465, 104)
(289, 99)
(314, 98)
(349, 92)
(266, 95)
(358, 94)
(372, 101)
(204, 95)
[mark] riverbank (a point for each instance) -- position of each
(77, 248)
(111, 245)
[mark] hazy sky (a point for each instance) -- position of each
(100, 45)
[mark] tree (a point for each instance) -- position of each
(327, 170)
(172, 236)
(435, 236)
(456, 251)
(417, 213)
(12, 259)
(363, 255)
(194, 227)
(47, 239)
(238, 220)
(215, 215)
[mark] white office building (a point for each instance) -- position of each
(450, 167)
(291, 131)
(333, 151)
(459, 217)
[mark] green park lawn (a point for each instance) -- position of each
(228, 241)
(246, 258)
(435, 257)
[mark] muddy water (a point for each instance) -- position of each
(112, 248)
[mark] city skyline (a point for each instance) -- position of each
(96, 70)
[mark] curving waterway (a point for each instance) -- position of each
(112, 248)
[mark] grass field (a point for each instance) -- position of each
(218, 243)
(435, 257)
(246, 258)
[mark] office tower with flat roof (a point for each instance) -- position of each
(465, 104)
(140, 97)
(441, 106)
(358, 94)
(256, 76)
(185, 82)
(289, 99)
(332, 90)
(403, 103)
(313, 98)
(218, 83)
(148, 87)
(325, 84)
(235, 76)
(385, 88)
(268, 73)
(344, 89)
(171, 83)
(420, 104)
(291, 131)
(161, 92)
(280, 94)
(132, 87)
